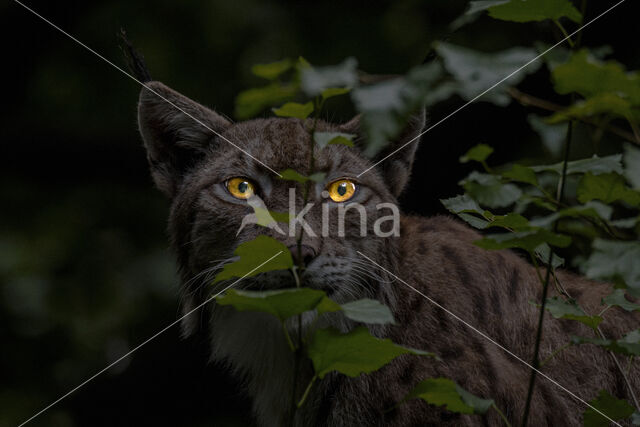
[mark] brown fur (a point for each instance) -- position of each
(490, 290)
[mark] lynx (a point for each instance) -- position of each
(489, 289)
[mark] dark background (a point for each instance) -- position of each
(85, 270)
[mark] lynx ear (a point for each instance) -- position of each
(397, 168)
(175, 136)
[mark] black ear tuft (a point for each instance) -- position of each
(177, 132)
(398, 155)
(135, 60)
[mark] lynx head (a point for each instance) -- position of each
(196, 154)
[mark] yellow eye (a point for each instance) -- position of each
(341, 190)
(240, 188)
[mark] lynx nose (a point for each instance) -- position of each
(306, 254)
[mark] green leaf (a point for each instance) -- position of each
(618, 299)
(625, 222)
(617, 261)
(632, 165)
(322, 139)
(527, 240)
(535, 10)
(477, 71)
(589, 77)
(479, 153)
(606, 187)
(595, 165)
(368, 311)
(334, 91)
(282, 303)
(294, 109)
(291, 175)
(592, 209)
(462, 203)
(272, 70)
(444, 392)
(302, 63)
(474, 221)
(489, 190)
(603, 103)
(511, 221)
(353, 353)
(521, 174)
(254, 253)
(316, 80)
(542, 252)
(616, 409)
(561, 309)
(552, 136)
(253, 101)
(266, 217)
(635, 418)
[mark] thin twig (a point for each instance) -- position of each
(532, 101)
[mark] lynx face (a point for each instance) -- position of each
(195, 167)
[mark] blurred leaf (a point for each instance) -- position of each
(617, 298)
(368, 311)
(617, 261)
(479, 153)
(527, 240)
(616, 409)
(254, 253)
(603, 103)
(334, 91)
(521, 174)
(476, 71)
(535, 10)
(387, 106)
(302, 63)
(589, 77)
(322, 139)
(444, 392)
(595, 165)
(489, 191)
(272, 70)
(353, 353)
(632, 165)
(551, 135)
(591, 209)
(561, 309)
(294, 109)
(635, 418)
(543, 252)
(625, 222)
(315, 80)
(479, 6)
(253, 101)
(608, 188)
(282, 303)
